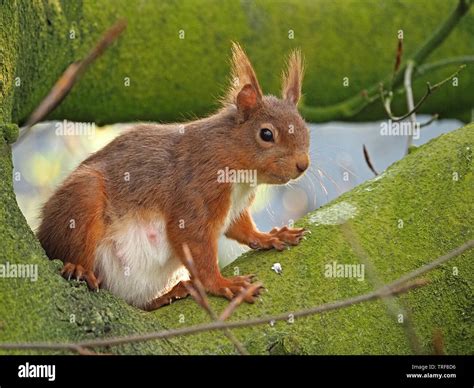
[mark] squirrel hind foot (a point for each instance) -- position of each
(179, 291)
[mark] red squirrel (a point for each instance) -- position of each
(121, 219)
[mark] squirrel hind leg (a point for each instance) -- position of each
(178, 292)
(73, 224)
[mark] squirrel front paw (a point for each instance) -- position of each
(279, 238)
(233, 286)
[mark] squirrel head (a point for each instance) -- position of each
(271, 131)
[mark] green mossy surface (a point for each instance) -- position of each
(175, 79)
(50, 308)
(421, 190)
(10, 132)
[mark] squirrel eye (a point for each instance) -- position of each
(266, 134)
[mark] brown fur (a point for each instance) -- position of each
(174, 174)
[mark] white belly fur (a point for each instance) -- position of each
(239, 201)
(135, 260)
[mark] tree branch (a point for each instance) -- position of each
(410, 102)
(402, 285)
(354, 105)
(427, 67)
(68, 79)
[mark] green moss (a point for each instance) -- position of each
(430, 191)
(10, 132)
(174, 79)
(51, 307)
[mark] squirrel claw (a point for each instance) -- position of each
(289, 236)
(231, 287)
(79, 273)
(254, 245)
(279, 238)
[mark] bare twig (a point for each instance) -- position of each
(64, 84)
(410, 102)
(429, 90)
(197, 291)
(431, 120)
(368, 161)
(398, 59)
(397, 287)
(428, 67)
(393, 307)
(238, 300)
(199, 294)
(86, 352)
(387, 102)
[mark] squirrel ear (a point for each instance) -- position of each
(243, 75)
(293, 78)
(246, 100)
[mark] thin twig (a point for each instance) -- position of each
(68, 79)
(393, 307)
(398, 59)
(197, 291)
(410, 102)
(387, 102)
(86, 352)
(368, 161)
(238, 300)
(200, 296)
(431, 120)
(429, 90)
(428, 67)
(394, 288)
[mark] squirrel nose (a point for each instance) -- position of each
(302, 164)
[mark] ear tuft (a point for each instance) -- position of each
(293, 78)
(242, 75)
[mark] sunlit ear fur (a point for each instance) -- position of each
(242, 75)
(293, 78)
